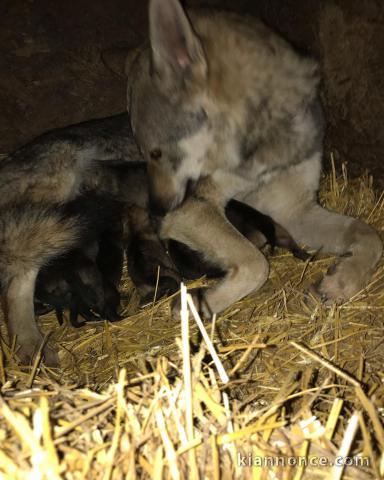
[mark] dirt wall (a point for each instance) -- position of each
(52, 73)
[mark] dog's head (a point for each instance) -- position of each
(166, 101)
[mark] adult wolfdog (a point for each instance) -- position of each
(220, 102)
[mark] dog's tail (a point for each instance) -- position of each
(33, 235)
(30, 235)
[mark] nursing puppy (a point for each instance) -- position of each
(221, 101)
(87, 278)
(74, 283)
(128, 182)
(85, 281)
(259, 229)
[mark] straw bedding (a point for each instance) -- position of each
(294, 387)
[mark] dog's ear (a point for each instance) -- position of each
(177, 53)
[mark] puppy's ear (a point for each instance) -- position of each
(120, 59)
(177, 53)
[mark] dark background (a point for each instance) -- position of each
(52, 73)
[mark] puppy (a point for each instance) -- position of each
(86, 279)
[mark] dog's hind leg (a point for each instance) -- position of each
(20, 306)
(30, 236)
(203, 227)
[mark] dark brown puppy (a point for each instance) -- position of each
(86, 279)
(149, 264)
(261, 229)
(73, 282)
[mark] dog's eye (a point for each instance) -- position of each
(155, 154)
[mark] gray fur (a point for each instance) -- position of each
(51, 169)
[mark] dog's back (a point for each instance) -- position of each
(52, 168)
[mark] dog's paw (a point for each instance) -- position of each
(343, 280)
(30, 348)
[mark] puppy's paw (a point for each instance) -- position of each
(199, 301)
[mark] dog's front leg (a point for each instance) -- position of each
(202, 226)
(291, 203)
